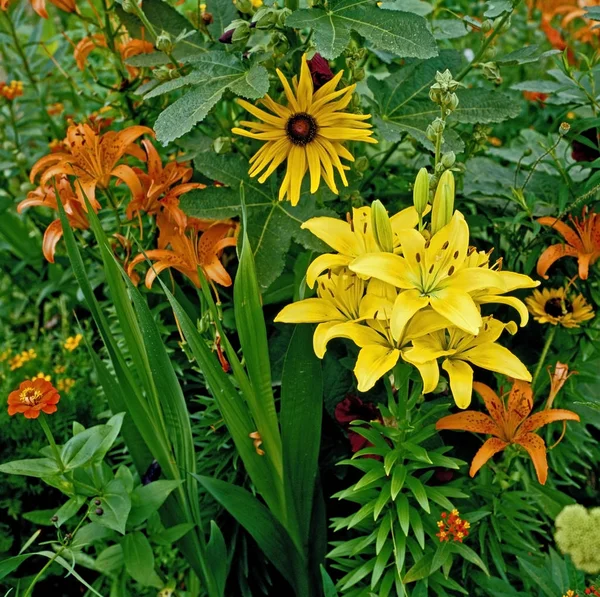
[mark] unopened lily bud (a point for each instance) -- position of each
(421, 191)
(382, 227)
(164, 43)
(443, 203)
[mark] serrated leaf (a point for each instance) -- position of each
(403, 34)
(480, 106)
(272, 224)
(223, 12)
(525, 56)
(497, 8)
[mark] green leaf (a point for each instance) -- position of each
(33, 467)
(419, 492)
(147, 499)
(272, 225)
(484, 107)
(116, 504)
(139, 560)
(69, 509)
(110, 559)
(524, 56)
(328, 586)
(219, 71)
(268, 533)
(169, 536)
(402, 508)
(417, 526)
(468, 554)
(419, 570)
(216, 555)
(301, 409)
(223, 12)
(398, 478)
(403, 34)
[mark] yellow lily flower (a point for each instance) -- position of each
(432, 273)
(339, 298)
(460, 349)
(353, 238)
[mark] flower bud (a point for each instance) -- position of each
(222, 145)
(241, 32)
(207, 18)
(361, 164)
(129, 6)
(564, 128)
(421, 191)
(443, 203)
(486, 26)
(448, 159)
(99, 511)
(54, 518)
(320, 71)
(382, 227)
(164, 43)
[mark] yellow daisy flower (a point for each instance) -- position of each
(308, 132)
(553, 305)
(72, 342)
(43, 376)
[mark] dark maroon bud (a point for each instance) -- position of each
(99, 511)
(207, 18)
(97, 502)
(227, 37)
(54, 518)
(152, 474)
(320, 71)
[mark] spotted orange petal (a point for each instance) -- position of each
(520, 403)
(547, 416)
(536, 448)
(570, 236)
(493, 404)
(552, 254)
(490, 447)
(469, 420)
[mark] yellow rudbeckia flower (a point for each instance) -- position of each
(353, 238)
(459, 349)
(309, 133)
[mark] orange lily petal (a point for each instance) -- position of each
(52, 235)
(492, 402)
(469, 420)
(564, 230)
(520, 403)
(130, 178)
(584, 262)
(40, 7)
(490, 447)
(552, 254)
(536, 448)
(547, 416)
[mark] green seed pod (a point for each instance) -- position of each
(382, 227)
(164, 43)
(448, 159)
(421, 191)
(443, 203)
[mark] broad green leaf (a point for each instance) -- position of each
(419, 570)
(419, 7)
(301, 409)
(69, 509)
(139, 560)
(418, 490)
(272, 224)
(403, 34)
(147, 499)
(468, 554)
(497, 8)
(116, 504)
(223, 12)
(172, 534)
(216, 554)
(110, 559)
(328, 586)
(269, 534)
(525, 56)
(33, 467)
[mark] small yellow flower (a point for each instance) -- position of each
(4, 356)
(65, 385)
(256, 3)
(495, 141)
(554, 306)
(571, 115)
(16, 362)
(41, 375)
(29, 354)
(72, 342)
(60, 369)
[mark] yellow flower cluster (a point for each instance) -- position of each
(72, 342)
(43, 376)
(401, 290)
(65, 385)
(20, 359)
(11, 90)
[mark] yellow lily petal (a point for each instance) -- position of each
(458, 307)
(374, 362)
(511, 301)
(461, 381)
(325, 262)
(512, 281)
(406, 305)
(405, 219)
(336, 233)
(322, 336)
(361, 335)
(375, 307)
(425, 322)
(496, 358)
(470, 279)
(413, 249)
(311, 310)
(430, 374)
(386, 267)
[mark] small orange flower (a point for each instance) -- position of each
(191, 250)
(33, 397)
(558, 380)
(46, 197)
(535, 96)
(511, 424)
(55, 109)
(93, 159)
(40, 6)
(11, 90)
(582, 241)
(453, 527)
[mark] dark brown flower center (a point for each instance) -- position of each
(301, 128)
(556, 307)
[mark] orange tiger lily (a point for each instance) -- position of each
(581, 241)
(46, 197)
(93, 158)
(510, 424)
(192, 250)
(40, 6)
(159, 181)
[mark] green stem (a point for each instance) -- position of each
(50, 438)
(486, 44)
(549, 338)
(382, 163)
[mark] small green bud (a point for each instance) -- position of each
(222, 145)
(21, 158)
(7, 145)
(361, 164)
(129, 6)
(265, 18)
(382, 227)
(443, 203)
(448, 159)
(421, 191)
(359, 74)
(164, 43)
(242, 32)
(564, 128)
(486, 26)
(165, 73)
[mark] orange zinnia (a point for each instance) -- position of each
(93, 158)
(33, 397)
(192, 250)
(40, 6)
(159, 181)
(46, 197)
(582, 242)
(509, 424)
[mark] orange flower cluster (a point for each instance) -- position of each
(11, 90)
(592, 591)
(453, 527)
(33, 397)
(94, 159)
(40, 6)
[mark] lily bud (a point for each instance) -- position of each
(443, 203)
(421, 191)
(382, 227)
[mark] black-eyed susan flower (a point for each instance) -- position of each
(555, 306)
(308, 133)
